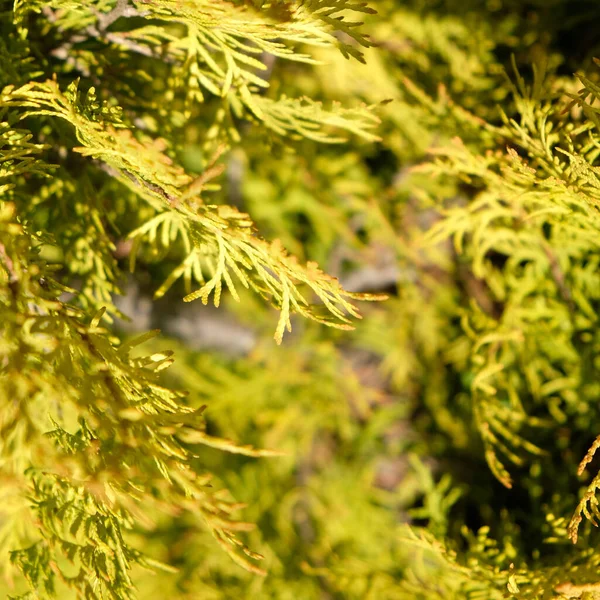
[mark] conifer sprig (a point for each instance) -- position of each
(94, 443)
(91, 437)
(218, 241)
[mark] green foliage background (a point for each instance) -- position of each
(290, 161)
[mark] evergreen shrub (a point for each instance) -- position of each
(431, 166)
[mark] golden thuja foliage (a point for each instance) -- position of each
(289, 160)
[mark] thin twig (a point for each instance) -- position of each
(122, 9)
(559, 278)
(8, 263)
(151, 187)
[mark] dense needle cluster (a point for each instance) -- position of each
(288, 161)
